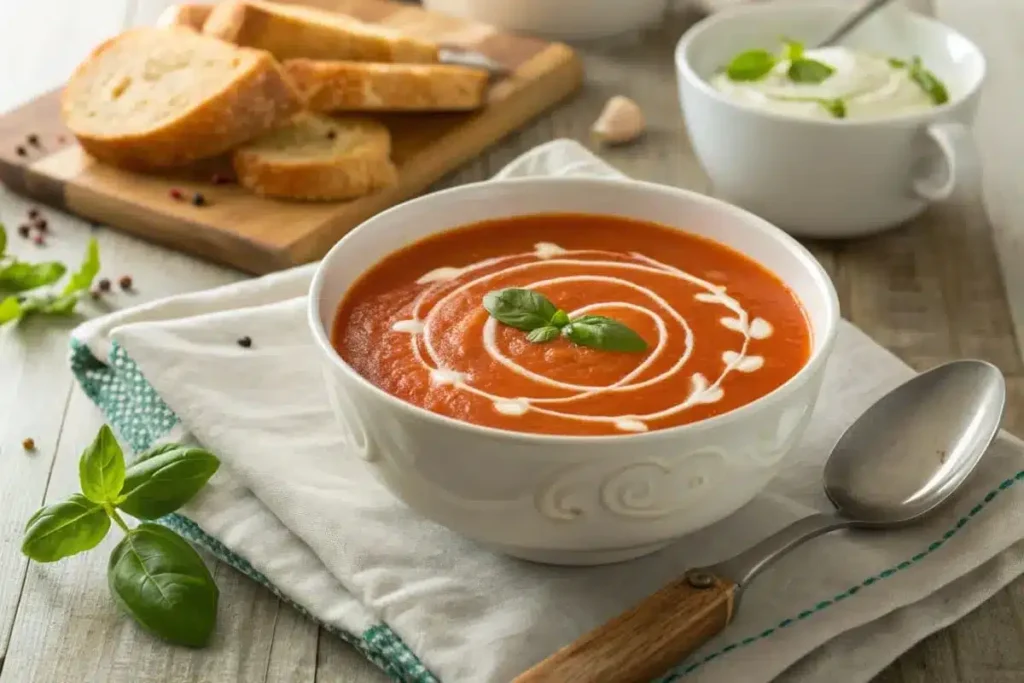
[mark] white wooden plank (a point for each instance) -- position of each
(338, 662)
(41, 42)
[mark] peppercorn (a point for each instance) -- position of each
(96, 294)
(39, 240)
(33, 140)
(198, 199)
(61, 139)
(331, 135)
(103, 284)
(125, 282)
(40, 224)
(245, 342)
(29, 444)
(176, 194)
(21, 151)
(23, 230)
(33, 213)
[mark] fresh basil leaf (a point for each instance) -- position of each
(599, 332)
(928, 82)
(522, 309)
(81, 280)
(792, 49)
(896, 63)
(101, 469)
(21, 277)
(64, 529)
(750, 65)
(809, 71)
(161, 481)
(3, 239)
(543, 335)
(560, 318)
(835, 107)
(164, 585)
(10, 309)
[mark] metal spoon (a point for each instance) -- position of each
(853, 21)
(901, 459)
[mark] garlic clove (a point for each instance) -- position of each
(620, 121)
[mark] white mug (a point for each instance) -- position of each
(831, 178)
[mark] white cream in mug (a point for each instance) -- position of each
(861, 85)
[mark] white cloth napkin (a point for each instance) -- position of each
(293, 510)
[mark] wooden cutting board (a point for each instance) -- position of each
(261, 235)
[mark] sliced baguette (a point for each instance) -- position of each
(289, 32)
(152, 98)
(335, 86)
(317, 157)
(188, 15)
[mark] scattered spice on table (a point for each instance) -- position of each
(175, 193)
(104, 284)
(39, 240)
(33, 213)
(198, 199)
(33, 140)
(24, 230)
(331, 134)
(245, 342)
(29, 444)
(20, 149)
(125, 282)
(61, 139)
(41, 224)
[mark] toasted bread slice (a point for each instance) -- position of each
(318, 157)
(290, 32)
(188, 15)
(157, 97)
(362, 86)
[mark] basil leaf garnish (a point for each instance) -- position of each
(21, 277)
(164, 478)
(808, 71)
(599, 332)
(542, 335)
(928, 82)
(10, 309)
(896, 63)
(522, 309)
(3, 239)
(792, 49)
(82, 279)
(64, 529)
(750, 65)
(101, 468)
(161, 581)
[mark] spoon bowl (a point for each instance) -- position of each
(915, 446)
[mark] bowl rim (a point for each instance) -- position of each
(819, 352)
(689, 74)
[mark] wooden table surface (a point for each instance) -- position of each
(948, 285)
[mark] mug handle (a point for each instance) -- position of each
(963, 164)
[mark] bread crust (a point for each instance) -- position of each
(360, 171)
(291, 32)
(335, 86)
(259, 99)
(189, 15)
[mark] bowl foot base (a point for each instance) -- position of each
(578, 558)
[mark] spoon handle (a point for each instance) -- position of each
(641, 644)
(854, 21)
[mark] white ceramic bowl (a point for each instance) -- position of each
(563, 499)
(557, 19)
(831, 178)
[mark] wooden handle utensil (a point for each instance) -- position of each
(643, 643)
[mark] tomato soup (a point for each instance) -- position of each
(655, 327)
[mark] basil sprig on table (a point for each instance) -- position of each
(20, 283)
(153, 574)
(532, 312)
